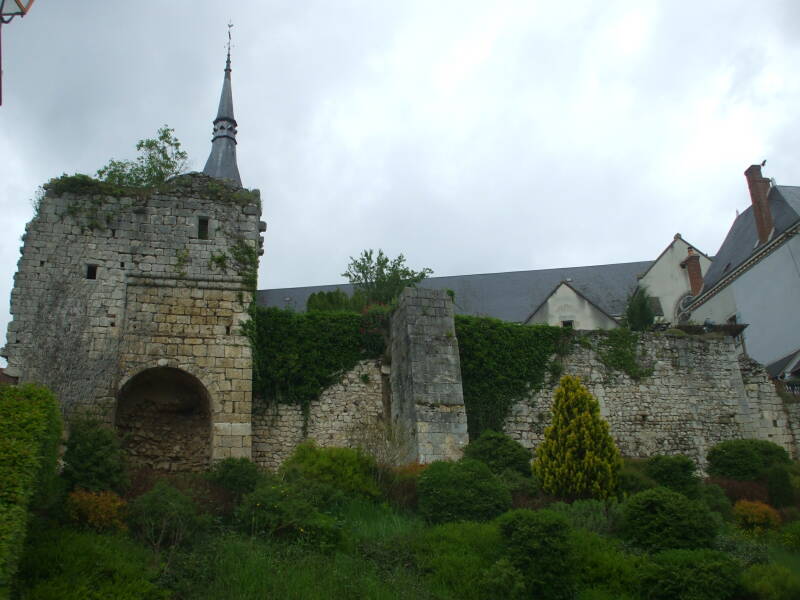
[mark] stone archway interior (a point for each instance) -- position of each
(163, 417)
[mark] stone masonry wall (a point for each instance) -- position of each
(698, 395)
(108, 287)
(342, 415)
(427, 397)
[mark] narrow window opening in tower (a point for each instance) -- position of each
(227, 330)
(202, 228)
(91, 271)
(113, 233)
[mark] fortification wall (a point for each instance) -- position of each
(346, 414)
(698, 395)
(112, 284)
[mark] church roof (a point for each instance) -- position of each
(511, 296)
(742, 239)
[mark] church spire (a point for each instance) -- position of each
(222, 160)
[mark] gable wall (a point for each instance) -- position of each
(668, 281)
(566, 305)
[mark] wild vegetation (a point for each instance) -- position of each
(341, 523)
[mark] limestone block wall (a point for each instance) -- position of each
(697, 396)
(343, 414)
(427, 396)
(110, 286)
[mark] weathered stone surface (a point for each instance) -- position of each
(341, 416)
(109, 288)
(698, 395)
(427, 397)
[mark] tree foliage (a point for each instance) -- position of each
(578, 457)
(639, 313)
(381, 279)
(159, 159)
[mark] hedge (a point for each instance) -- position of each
(31, 424)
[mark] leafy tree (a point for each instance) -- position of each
(159, 159)
(578, 457)
(639, 313)
(381, 279)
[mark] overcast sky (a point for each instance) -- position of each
(471, 136)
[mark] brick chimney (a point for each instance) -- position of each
(692, 265)
(759, 191)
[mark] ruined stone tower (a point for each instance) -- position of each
(128, 304)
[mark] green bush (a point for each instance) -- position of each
(239, 476)
(604, 566)
(690, 574)
(790, 536)
(500, 452)
(599, 516)
(779, 486)
(678, 473)
(164, 517)
(456, 556)
(660, 519)
(466, 490)
(276, 509)
(63, 564)
(537, 544)
(745, 549)
(745, 460)
(94, 458)
(30, 423)
(345, 469)
(632, 478)
(716, 500)
(771, 582)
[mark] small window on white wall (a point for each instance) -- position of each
(570, 324)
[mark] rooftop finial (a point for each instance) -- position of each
(228, 61)
(222, 160)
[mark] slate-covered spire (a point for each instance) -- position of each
(222, 160)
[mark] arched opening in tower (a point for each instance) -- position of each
(164, 419)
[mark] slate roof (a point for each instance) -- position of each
(777, 368)
(740, 243)
(511, 296)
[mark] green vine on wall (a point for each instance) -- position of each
(502, 363)
(297, 355)
(618, 351)
(242, 259)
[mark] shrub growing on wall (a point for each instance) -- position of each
(466, 490)
(500, 452)
(537, 544)
(696, 574)
(745, 460)
(678, 473)
(578, 457)
(94, 458)
(348, 470)
(660, 519)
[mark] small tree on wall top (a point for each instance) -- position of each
(578, 457)
(379, 279)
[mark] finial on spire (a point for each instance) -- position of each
(228, 61)
(222, 160)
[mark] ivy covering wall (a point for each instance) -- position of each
(297, 355)
(503, 362)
